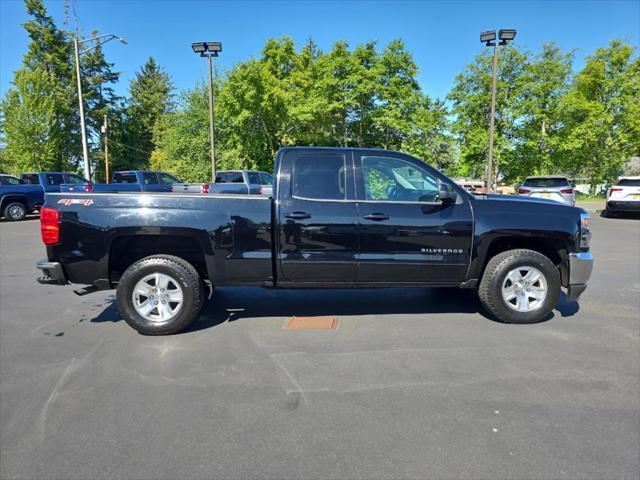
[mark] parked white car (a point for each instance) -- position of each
(624, 196)
(553, 187)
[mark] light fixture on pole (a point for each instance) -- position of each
(209, 50)
(489, 39)
(99, 40)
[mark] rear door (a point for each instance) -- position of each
(407, 234)
(317, 217)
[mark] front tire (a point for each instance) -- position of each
(15, 211)
(159, 295)
(520, 286)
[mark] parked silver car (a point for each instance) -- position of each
(553, 187)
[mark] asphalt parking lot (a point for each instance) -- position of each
(413, 383)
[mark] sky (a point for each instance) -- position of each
(443, 36)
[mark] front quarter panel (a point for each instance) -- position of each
(505, 218)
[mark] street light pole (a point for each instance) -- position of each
(83, 131)
(212, 122)
(76, 47)
(209, 50)
(494, 87)
(489, 38)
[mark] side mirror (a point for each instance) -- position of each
(446, 193)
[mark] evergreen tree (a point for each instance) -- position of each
(151, 98)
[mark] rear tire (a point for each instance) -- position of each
(153, 310)
(520, 286)
(15, 211)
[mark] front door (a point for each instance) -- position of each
(407, 234)
(317, 218)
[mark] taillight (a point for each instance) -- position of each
(611, 190)
(523, 190)
(567, 191)
(50, 225)
(88, 187)
(205, 188)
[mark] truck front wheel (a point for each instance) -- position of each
(520, 286)
(159, 295)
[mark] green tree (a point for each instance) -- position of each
(28, 123)
(151, 97)
(601, 114)
(43, 92)
(471, 102)
(538, 143)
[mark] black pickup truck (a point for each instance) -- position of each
(337, 218)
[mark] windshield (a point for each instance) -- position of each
(546, 182)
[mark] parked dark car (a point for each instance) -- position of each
(239, 182)
(339, 218)
(17, 198)
(128, 181)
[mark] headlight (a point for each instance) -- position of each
(585, 231)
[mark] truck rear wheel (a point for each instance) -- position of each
(520, 286)
(160, 295)
(15, 211)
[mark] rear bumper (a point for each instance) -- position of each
(580, 268)
(616, 206)
(52, 273)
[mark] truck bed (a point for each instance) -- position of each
(227, 237)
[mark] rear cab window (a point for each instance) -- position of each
(266, 179)
(167, 179)
(229, 177)
(125, 177)
(75, 179)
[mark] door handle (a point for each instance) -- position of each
(377, 216)
(297, 215)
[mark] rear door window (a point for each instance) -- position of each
(54, 178)
(149, 178)
(254, 178)
(125, 178)
(31, 178)
(320, 177)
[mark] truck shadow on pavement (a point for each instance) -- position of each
(231, 304)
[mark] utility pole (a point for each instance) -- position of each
(83, 131)
(105, 133)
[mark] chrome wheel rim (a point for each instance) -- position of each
(524, 289)
(16, 211)
(157, 297)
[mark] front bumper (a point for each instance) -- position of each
(616, 206)
(580, 268)
(52, 273)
